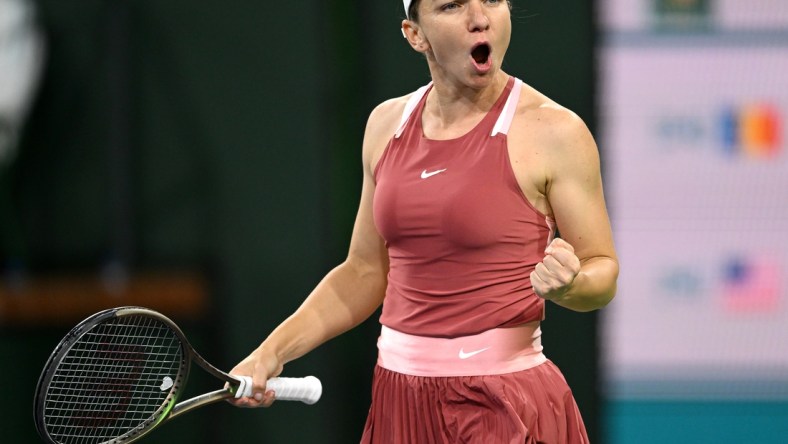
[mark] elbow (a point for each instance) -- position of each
(609, 294)
(610, 286)
(607, 297)
(589, 304)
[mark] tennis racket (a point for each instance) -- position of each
(121, 372)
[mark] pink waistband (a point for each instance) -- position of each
(493, 352)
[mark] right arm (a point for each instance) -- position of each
(347, 295)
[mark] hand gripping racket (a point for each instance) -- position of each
(121, 372)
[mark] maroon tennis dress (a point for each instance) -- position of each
(460, 357)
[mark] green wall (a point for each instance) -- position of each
(242, 123)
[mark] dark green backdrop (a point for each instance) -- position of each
(224, 137)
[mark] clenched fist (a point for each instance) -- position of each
(552, 277)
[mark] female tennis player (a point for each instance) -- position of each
(465, 183)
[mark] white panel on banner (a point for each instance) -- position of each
(725, 15)
(696, 168)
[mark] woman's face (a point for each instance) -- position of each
(463, 39)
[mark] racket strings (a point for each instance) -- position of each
(114, 380)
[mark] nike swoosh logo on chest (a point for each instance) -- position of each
(427, 175)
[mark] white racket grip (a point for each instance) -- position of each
(307, 390)
(244, 389)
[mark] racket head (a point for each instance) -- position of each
(112, 378)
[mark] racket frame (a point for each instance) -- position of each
(169, 409)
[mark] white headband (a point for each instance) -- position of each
(407, 5)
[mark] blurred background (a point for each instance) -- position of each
(692, 102)
(203, 159)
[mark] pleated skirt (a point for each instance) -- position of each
(528, 406)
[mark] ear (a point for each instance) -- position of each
(415, 36)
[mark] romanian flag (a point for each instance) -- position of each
(754, 130)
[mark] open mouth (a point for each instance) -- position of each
(481, 54)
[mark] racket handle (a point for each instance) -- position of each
(307, 390)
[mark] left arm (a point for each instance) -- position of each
(580, 269)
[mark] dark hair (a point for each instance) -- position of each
(413, 9)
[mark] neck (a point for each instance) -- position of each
(450, 102)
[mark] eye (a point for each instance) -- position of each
(450, 6)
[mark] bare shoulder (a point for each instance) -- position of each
(382, 123)
(557, 132)
(549, 144)
(386, 115)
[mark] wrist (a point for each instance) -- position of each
(271, 357)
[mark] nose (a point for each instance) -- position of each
(477, 19)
